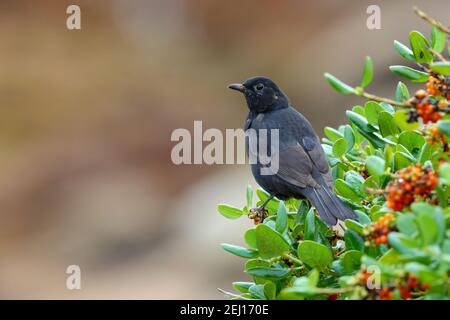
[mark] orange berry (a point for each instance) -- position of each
(442, 103)
(420, 94)
(385, 294)
(405, 293)
(424, 287)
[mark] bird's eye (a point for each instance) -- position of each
(259, 87)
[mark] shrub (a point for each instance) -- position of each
(390, 165)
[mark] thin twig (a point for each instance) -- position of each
(438, 55)
(431, 21)
(381, 99)
(293, 259)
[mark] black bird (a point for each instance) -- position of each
(303, 169)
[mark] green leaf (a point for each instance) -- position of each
(242, 286)
(270, 243)
(281, 222)
(438, 39)
(249, 196)
(411, 141)
(387, 107)
(359, 110)
(257, 291)
(372, 110)
(375, 165)
(349, 136)
(240, 251)
(401, 118)
(407, 224)
(253, 263)
(339, 147)
(367, 73)
(429, 229)
(315, 255)
(229, 212)
(270, 290)
(390, 257)
(401, 92)
(351, 260)
(402, 243)
(419, 46)
(404, 51)
(268, 272)
(303, 287)
(444, 126)
(353, 241)
(387, 124)
(402, 160)
(338, 85)
(431, 222)
(332, 134)
(250, 238)
(444, 173)
(355, 181)
(355, 226)
(310, 225)
(371, 183)
(345, 190)
(410, 73)
(425, 153)
(366, 130)
(441, 67)
(359, 121)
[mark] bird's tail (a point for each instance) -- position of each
(329, 206)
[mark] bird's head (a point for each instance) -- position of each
(262, 94)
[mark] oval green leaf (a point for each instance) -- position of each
(270, 243)
(315, 255)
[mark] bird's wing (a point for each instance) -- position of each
(315, 151)
(295, 167)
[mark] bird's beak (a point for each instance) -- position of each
(237, 86)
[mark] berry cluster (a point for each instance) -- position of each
(408, 286)
(412, 184)
(258, 215)
(438, 87)
(404, 287)
(435, 136)
(363, 279)
(425, 108)
(376, 233)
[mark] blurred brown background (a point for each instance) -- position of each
(86, 117)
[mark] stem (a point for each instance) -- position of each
(438, 55)
(431, 21)
(292, 258)
(348, 162)
(374, 191)
(332, 291)
(381, 99)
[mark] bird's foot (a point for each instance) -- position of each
(258, 214)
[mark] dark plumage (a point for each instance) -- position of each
(303, 169)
